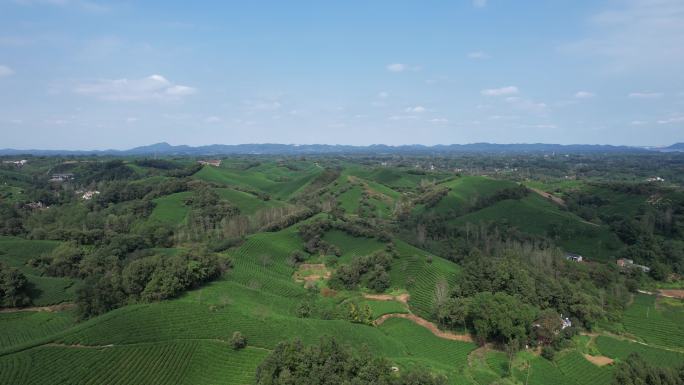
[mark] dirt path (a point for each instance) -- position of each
(426, 324)
(553, 198)
(671, 293)
(49, 309)
(599, 360)
(403, 298)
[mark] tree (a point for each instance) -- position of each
(500, 317)
(14, 290)
(547, 325)
(635, 371)
(238, 341)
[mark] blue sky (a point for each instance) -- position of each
(85, 74)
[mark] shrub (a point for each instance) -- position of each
(238, 341)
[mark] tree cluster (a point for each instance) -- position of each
(330, 363)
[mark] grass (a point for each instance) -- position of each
(385, 307)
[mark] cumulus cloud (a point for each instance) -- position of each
(584, 95)
(509, 90)
(476, 55)
(154, 87)
(416, 109)
(5, 71)
(645, 95)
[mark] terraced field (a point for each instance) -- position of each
(171, 208)
(16, 252)
(22, 327)
(351, 246)
(466, 190)
(535, 215)
(653, 324)
(576, 367)
(620, 349)
(444, 355)
(247, 203)
(419, 272)
(279, 182)
(182, 362)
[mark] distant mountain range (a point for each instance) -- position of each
(165, 149)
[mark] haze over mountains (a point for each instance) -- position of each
(164, 148)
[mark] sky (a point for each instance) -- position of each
(86, 74)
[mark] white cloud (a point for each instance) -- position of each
(584, 95)
(5, 71)
(645, 95)
(397, 67)
(439, 120)
(262, 105)
(82, 4)
(635, 35)
(479, 3)
(400, 67)
(638, 122)
(672, 119)
(383, 95)
(402, 117)
(509, 90)
(416, 109)
(131, 119)
(477, 55)
(527, 105)
(212, 119)
(154, 87)
(180, 90)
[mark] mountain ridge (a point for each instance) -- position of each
(164, 148)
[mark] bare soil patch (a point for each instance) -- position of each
(426, 324)
(48, 309)
(672, 293)
(599, 360)
(309, 272)
(403, 298)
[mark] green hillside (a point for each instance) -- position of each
(423, 268)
